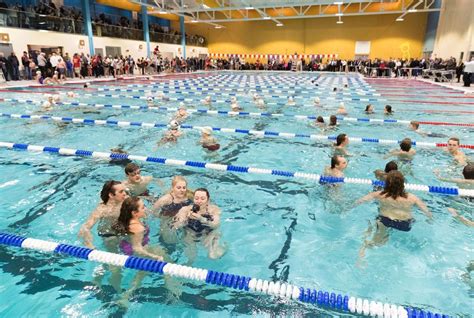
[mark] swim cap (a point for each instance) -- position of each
(316, 100)
(149, 99)
(341, 105)
(206, 130)
(174, 125)
(182, 105)
(46, 104)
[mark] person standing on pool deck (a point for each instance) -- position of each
(395, 209)
(453, 149)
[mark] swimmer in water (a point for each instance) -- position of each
(338, 165)
(71, 94)
(317, 101)
(201, 222)
(260, 103)
(234, 105)
(342, 140)
(453, 150)
(291, 101)
(466, 183)
(319, 122)
(415, 126)
(136, 184)
(106, 214)
(150, 100)
(388, 110)
(395, 210)
(207, 140)
(332, 121)
(369, 109)
(342, 109)
(172, 134)
(181, 115)
(405, 153)
(207, 101)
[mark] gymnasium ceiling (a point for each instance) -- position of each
(220, 12)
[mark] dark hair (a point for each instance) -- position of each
(405, 145)
(332, 120)
(334, 161)
(468, 171)
(131, 167)
(388, 108)
(320, 119)
(340, 139)
(391, 166)
(334, 89)
(415, 124)
(107, 189)
(455, 139)
(123, 222)
(203, 190)
(394, 185)
(367, 107)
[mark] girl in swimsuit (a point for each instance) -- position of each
(169, 204)
(201, 222)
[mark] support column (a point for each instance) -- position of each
(183, 36)
(146, 30)
(86, 13)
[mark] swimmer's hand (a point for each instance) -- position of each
(158, 258)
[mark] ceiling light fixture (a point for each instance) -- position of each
(218, 27)
(339, 22)
(279, 24)
(249, 8)
(266, 17)
(194, 21)
(412, 10)
(338, 2)
(339, 14)
(399, 19)
(162, 12)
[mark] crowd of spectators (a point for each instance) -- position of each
(47, 16)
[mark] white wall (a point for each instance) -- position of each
(20, 38)
(455, 32)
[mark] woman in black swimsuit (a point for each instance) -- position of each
(167, 206)
(201, 222)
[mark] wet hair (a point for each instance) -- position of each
(334, 89)
(367, 107)
(394, 185)
(455, 139)
(340, 139)
(345, 85)
(335, 161)
(107, 189)
(391, 166)
(388, 108)
(203, 190)
(131, 167)
(468, 171)
(405, 145)
(126, 214)
(415, 124)
(320, 119)
(332, 120)
(175, 180)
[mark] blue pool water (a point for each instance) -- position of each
(275, 228)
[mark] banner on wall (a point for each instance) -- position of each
(275, 56)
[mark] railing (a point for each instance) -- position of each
(34, 21)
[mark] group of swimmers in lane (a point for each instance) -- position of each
(395, 204)
(120, 219)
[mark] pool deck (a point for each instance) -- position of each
(19, 84)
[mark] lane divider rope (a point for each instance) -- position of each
(455, 191)
(241, 113)
(320, 298)
(259, 133)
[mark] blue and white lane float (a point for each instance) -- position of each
(455, 191)
(320, 298)
(205, 90)
(241, 113)
(258, 133)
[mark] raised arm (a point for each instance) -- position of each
(85, 231)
